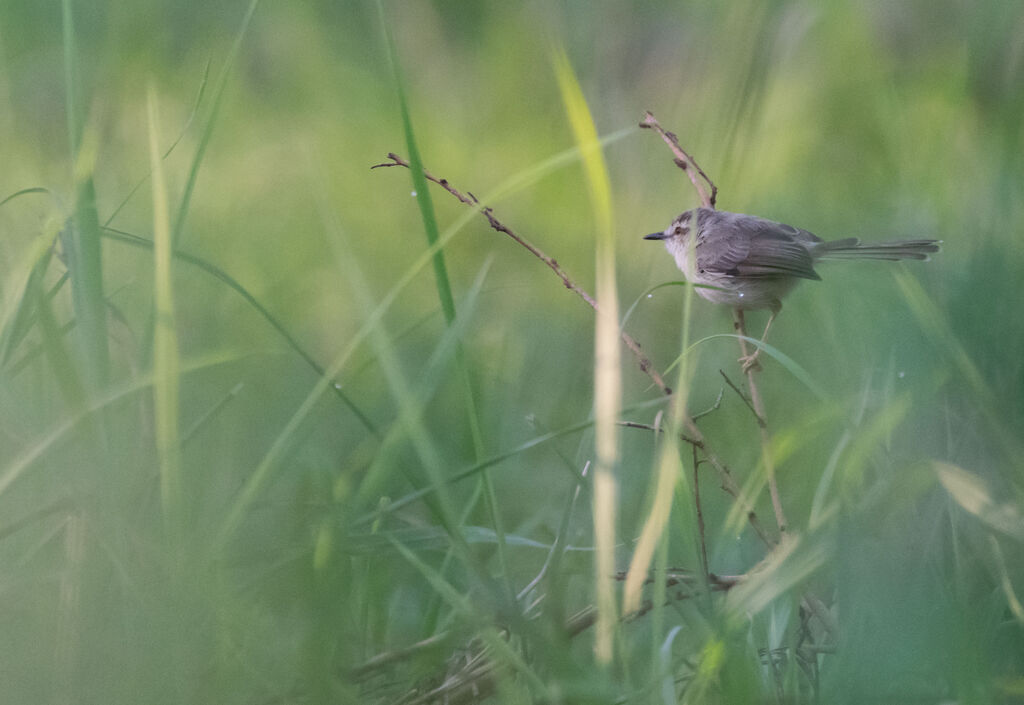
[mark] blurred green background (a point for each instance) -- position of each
(872, 119)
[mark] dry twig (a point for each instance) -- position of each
(728, 482)
(700, 514)
(696, 437)
(685, 162)
(470, 200)
(757, 405)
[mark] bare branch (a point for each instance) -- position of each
(728, 482)
(746, 400)
(758, 407)
(700, 513)
(685, 162)
(648, 427)
(470, 200)
(388, 657)
(713, 407)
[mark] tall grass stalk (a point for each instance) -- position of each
(166, 371)
(263, 472)
(82, 240)
(227, 280)
(444, 293)
(607, 363)
(211, 121)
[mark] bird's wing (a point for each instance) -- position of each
(754, 247)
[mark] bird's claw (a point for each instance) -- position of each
(750, 362)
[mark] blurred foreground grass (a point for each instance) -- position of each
(191, 510)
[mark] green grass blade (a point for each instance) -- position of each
(644, 295)
(70, 78)
(82, 241)
(19, 299)
(167, 152)
(432, 538)
(974, 496)
(211, 121)
(38, 448)
(441, 279)
(64, 368)
(165, 354)
(936, 324)
(233, 284)
(427, 383)
(607, 363)
(213, 411)
(500, 647)
(791, 563)
(409, 411)
(178, 224)
(31, 190)
(419, 181)
(787, 362)
(263, 471)
(84, 254)
(502, 457)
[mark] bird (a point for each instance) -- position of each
(750, 263)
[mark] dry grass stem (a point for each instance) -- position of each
(685, 162)
(646, 366)
(757, 406)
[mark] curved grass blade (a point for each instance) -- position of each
(24, 460)
(167, 152)
(935, 323)
(441, 279)
(787, 362)
(233, 284)
(165, 354)
(66, 372)
(500, 648)
(16, 317)
(33, 189)
(424, 389)
(82, 241)
(607, 363)
(973, 495)
(499, 458)
(646, 294)
(178, 224)
(204, 140)
(255, 482)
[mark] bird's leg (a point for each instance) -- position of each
(740, 325)
(749, 360)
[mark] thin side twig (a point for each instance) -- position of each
(401, 654)
(744, 397)
(728, 482)
(648, 427)
(766, 446)
(685, 162)
(713, 407)
(470, 200)
(700, 514)
(585, 618)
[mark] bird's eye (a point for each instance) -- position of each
(679, 230)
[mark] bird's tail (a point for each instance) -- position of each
(851, 248)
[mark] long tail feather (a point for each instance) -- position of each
(898, 249)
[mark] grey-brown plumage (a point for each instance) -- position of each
(753, 262)
(749, 263)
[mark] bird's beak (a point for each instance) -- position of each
(655, 236)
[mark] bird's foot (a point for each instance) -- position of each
(749, 362)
